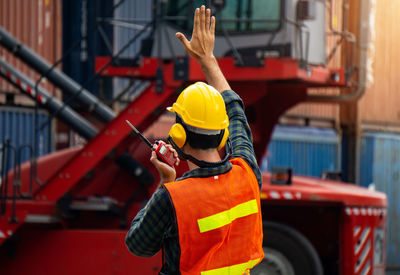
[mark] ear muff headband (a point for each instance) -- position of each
(224, 139)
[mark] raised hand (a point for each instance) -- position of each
(201, 46)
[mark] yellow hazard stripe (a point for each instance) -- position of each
(226, 217)
(238, 269)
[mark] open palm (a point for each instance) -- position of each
(202, 43)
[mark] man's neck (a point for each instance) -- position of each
(210, 155)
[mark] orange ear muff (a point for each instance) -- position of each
(224, 139)
(178, 134)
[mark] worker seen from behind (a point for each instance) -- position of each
(209, 220)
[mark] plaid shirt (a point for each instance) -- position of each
(155, 226)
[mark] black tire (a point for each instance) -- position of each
(287, 252)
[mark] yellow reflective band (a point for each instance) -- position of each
(238, 269)
(226, 217)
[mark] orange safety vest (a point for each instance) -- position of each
(219, 222)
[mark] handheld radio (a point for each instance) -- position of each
(162, 151)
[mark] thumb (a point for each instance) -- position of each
(153, 157)
(183, 39)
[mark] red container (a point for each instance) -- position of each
(38, 25)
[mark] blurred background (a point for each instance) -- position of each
(70, 69)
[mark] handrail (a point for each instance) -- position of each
(3, 185)
(6, 150)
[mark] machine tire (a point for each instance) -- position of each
(287, 252)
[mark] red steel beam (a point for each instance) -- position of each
(274, 69)
(146, 70)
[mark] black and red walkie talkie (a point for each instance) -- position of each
(162, 151)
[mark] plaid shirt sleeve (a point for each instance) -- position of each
(148, 228)
(240, 133)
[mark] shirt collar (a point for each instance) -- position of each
(207, 172)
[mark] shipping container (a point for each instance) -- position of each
(306, 150)
(380, 168)
(17, 125)
(313, 114)
(380, 104)
(37, 24)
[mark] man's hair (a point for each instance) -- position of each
(200, 141)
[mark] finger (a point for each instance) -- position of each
(171, 148)
(208, 17)
(177, 162)
(175, 153)
(159, 165)
(203, 18)
(183, 39)
(196, 22)
(212, 28)
(153, 157)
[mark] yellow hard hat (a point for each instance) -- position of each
(202, 108)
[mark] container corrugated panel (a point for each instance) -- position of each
(129, 10)
(379, 105)
(37, 24)
(380, 165)
(329, 112)
(308, 151)
(17, 125)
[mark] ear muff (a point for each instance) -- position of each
(178, 134)
(224, 139)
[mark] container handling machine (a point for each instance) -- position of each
(68, 212)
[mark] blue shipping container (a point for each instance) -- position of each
(17, 125)
(380, 165)
(308, 151)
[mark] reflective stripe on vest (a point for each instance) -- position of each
(233, 269)
(219, 222)
(226, 217)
